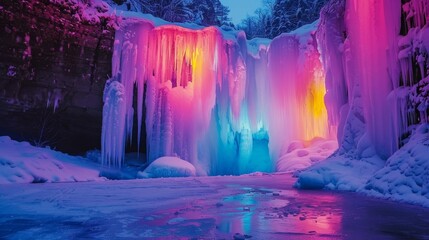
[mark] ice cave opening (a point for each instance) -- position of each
(212, 98)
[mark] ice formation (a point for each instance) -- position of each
(375, 56)
(209, 100)
(113, 135)
(295, 92)
(360, 68)
(369, 69)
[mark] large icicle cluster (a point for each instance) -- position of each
(374, 71)
(414, 58)
(210, 102)
(367, 67)
(375, 56)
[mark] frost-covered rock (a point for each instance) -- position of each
(168, 167)
(406, 174)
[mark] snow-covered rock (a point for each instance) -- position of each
(168, 167)
(300, 154)
(339, 173)
(21, 162)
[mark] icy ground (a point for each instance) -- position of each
(260, 206)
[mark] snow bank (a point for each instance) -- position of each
(406, 174)
(302, 154)
(22, 163)
(168, 167)
(404, 177)
(339, 173)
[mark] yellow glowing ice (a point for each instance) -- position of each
(316, 115)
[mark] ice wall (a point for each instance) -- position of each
(296, 91)
(373, 28)
(209, 99)
(370, 60)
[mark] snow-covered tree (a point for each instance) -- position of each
(291, 14)
(279, 16)
(209, 12)
(203, 12)
(170, 10)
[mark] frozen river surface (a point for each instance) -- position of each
(255, 207)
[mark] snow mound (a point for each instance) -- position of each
(339, 173)
(21, 162)
(406, 174)
(168, 167)
(300, 154)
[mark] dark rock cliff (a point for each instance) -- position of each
(54, 61)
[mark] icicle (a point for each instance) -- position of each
(113, 130)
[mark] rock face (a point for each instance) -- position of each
(54, 61)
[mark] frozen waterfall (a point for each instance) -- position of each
(208, 99)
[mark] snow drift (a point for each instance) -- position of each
(168, 167)
(22, 163)
(405, 176)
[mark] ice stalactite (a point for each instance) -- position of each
(211, 102)
(113, 130)
(185, 66)
(179, 68)
(414, 57)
